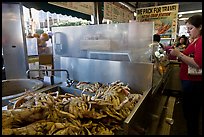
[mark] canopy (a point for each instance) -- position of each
(45, 6)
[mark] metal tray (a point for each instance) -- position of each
(72, 90)
(12, 88)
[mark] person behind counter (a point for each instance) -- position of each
(192, 85)
(182, 42)
(158, 47)
(157, 38)
(181, 45)
(41, 41)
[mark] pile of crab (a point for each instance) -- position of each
(66, 114)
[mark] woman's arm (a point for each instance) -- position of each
(186, 59)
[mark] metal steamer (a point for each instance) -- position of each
(105, 53)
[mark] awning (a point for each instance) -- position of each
(45, 6)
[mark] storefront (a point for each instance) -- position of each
(42, 16)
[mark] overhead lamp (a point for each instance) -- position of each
(135, 14)
(189, 12)
(183, 19)
(127, 6)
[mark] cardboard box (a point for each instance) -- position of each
(45, 59)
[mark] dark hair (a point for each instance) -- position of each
(156, 37)
(195, 20)
(185, 41)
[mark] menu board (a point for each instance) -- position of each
(108, 10)
(130, 16)
(126, 16)
(111, 11)
(116, 13)
(83, 7)
(164, 17)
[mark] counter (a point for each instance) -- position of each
(160, 104)
(157, 101)
(148, 113)
(173, 83)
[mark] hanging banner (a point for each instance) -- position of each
(83, 7)
(164, 18)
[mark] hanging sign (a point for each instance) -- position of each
(116, 13)
(83, 7)
(108, 10)
(164, 18)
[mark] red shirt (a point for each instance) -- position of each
(197, 51)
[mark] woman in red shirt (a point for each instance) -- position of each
(192, 84)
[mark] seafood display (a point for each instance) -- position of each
(88, 86)
(56, 113)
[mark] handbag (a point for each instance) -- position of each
(194, 71)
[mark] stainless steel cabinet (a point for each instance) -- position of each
(13, 41)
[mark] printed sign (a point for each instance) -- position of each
(164, 18)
